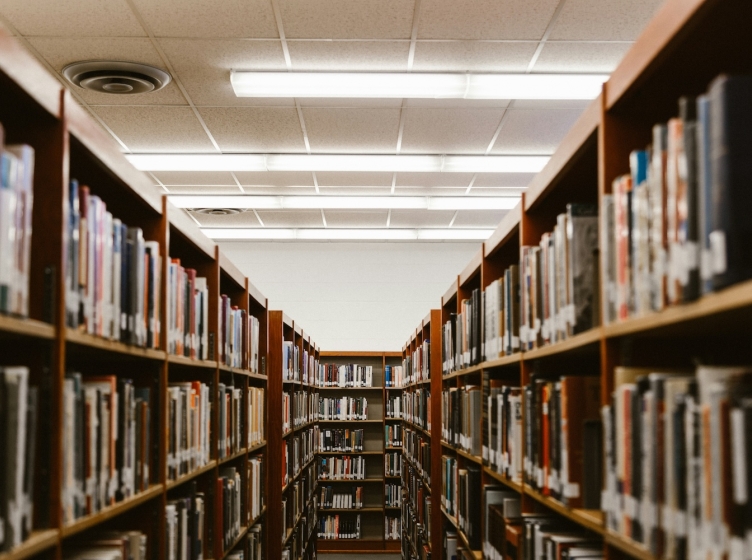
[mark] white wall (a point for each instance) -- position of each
(353, 296)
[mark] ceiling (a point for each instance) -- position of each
(200, 41)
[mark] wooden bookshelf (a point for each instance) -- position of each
(68, 145)
(373, 517)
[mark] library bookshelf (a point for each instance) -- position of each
(374, 512)
(68, 144)
(685, 46)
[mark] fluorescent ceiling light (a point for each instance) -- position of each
(336, 234)
(416, 85)
(332, 162)
(345, 202)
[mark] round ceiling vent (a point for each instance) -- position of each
(116, 77)
(218, 211)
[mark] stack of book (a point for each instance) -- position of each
(394, 376)
(502, 445)
(417, 448)
(677, 460)
(393, 406)
(256, 498)
(343, 408)
(677, 224)
(19, 410)
(462, 337)
(16, 205)
(290, 361)
(346, 526)
(352, 499)
(392, 495)
(341, 439)
(416, 405)
(392, 435)
(230, 429)
(114, 545)
(112, 275)
(186, 519)
(188, 427)
(238, 336)
(347, 467)
(187, 312)
(501, 315)
(501, 508)
(256, 420)
(107, 442)
(227, 508)
(393, 464)
(346, 375)
(461, 415)
(392, 528)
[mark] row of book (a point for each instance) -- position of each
(677, 460)
(417, 448)
(461, 335)
(188, 427)
(333, 527)
(392, 528)
(290, 361)
(392, 495)
(16, 205)
(296, 410)
(502, 434)
(346, 467)
(341, 439)
(111, 545)
(393, 407)
(392, 435)
(228, 499)
(417, 364)
(112, 275)
(344, 375)
(298, 451)
(393, 464)
(230, 429)
(461, 418)
(106, 435)
(343, 408)
(352, 499)
(416, 512)
(19, 411)
(187, 312)
(416, 407)
(256, 420)
(394, 376)
(501, 315)
(563, 439)
(186, 525)
(299, 499)
(238, 339)
(676, 223)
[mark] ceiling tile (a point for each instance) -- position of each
(255, 129)
(503, 179)
(204, 66)
(350, 56)
(578, 104)
(458, 103)
(434, 179)
(334, 103)
(352, 130)
(485, 19)
(208, 18)
(528, 131)
(421, 218)
(356, 191)
(83, 18)
(291, 218)
(478, 218)
(356, 218)
(203, 189)
(61, 51)
(196, 178)
(603, 20)
(243, 219)
(580, 57)
(472, 56)
(279, 191)
(347, 19)
(354, 179)
(275, 178)
(430, 191)
(156, 128)
(449, 131)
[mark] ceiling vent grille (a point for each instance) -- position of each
(218, 211)
(120, 78)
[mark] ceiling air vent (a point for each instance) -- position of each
(217, 211)
(122, 78)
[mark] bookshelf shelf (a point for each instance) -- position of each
(351, 480)
(348, 389)
(355, 452)
(353, 510)
(38, 541)
(17, 327)
(256, 447)
(469, 457)
(189, 362)
(350, 421)
(97, 343)
(586, 341)
(236, 542)
(516, 486)
(232, 457)
(191, 475)
(632, 548)
(589, 519)
(477, 554)
(109, 512)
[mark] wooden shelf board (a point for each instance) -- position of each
(257, 446)
(191, 475)
(470, 456)
(26, 327)
(352, 388)
(508, 225)
(476, 553)
(589, 519)
(736, 298)
(37, 542)
(337, 453)
(516, 486)
(627, 545)
(109, 512)
(90, 341)
(577, 342)
(236, 542)
(352, 510)
(351, 480)
(257, 518)
(391, 449)
(185, 226)
(232, 457)
(448, 445)
(350, 421)
(184, 361)
(451, 518)
(232, 271)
